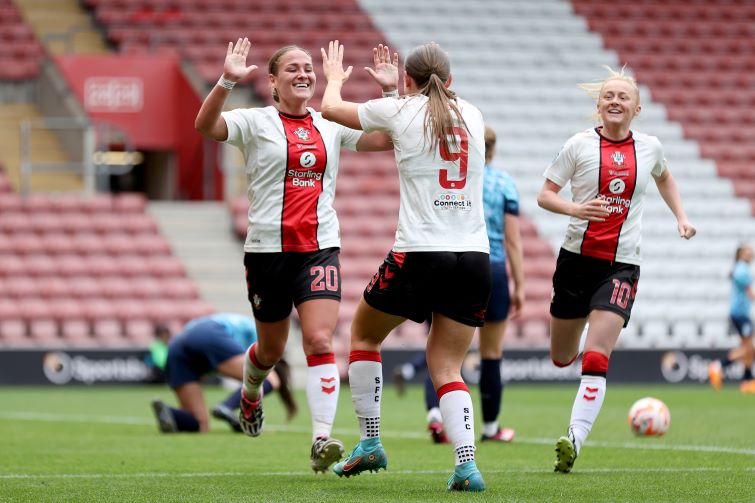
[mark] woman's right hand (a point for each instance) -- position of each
(234, 68)
(594, 210)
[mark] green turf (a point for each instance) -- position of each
(101, 444)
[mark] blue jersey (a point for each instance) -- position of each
(499, 196)
(240, 327)
(741, 279)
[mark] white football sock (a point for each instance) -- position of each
(323, 385)
(458, 420)
(587, 404)
(434, 416)
(366, 382)
(254, 374)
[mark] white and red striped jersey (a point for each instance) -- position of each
(441, 192)
(617, 171)
(291, 168)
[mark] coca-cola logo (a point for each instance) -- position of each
(113, 94)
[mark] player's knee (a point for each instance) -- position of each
(318, 342)
(561, 362)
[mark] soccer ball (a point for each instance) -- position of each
(649, 416)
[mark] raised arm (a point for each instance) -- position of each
(334, 108)
(670, 194)
(385, 73)
(593, 210)
(209, 121)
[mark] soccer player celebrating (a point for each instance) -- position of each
(292, 244)
(598, 266)
(439, 263)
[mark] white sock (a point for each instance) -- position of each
(254, 374)
(434, 416)
(407, 371)
(458, 419)
(587, 404)
(323, 385)
(490, 429)
(366, 382)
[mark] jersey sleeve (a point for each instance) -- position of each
(349, 137)
(376, 115)
(660, 161)
(240, 124)
(563, 166)
(510, 197)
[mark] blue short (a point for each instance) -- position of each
(197, 351)
(498, 305)
(742, 324)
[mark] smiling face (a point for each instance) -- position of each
(618, 103)
(294, 80)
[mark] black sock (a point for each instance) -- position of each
(725, 362)
(491, 389)
(185, 421)
(267, 388)
(431, 397)
(747, 375)
(234, 400)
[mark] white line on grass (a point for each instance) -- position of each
(130, 420)
(148, 475)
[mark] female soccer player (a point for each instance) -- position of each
(439, 262)
(215, 343)
(742, 293)
(598, 267)
(292, 244)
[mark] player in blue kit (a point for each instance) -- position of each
(742, 293)
(215, 343)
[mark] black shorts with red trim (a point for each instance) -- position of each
(275, 282)
(582, 283)
(413, 284)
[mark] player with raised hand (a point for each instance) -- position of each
(439, 262)
(292, 246)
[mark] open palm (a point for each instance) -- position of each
(235, 67)
(385, 71)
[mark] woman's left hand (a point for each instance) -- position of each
(332, 63)
(385, 71)
(686, 229)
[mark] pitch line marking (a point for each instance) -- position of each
(529, 471)
(141, 421)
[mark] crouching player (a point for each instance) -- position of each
(215, 343)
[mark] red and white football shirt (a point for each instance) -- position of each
(617, 171)
(291, 167)
(441, 192)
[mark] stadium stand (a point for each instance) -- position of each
(522, 60)
(697, 58)
(79, 271)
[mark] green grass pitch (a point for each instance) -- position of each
(101, 444)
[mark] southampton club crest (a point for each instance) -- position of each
(618, 159)
(302, 133)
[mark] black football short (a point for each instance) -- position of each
(413, 284)
(581, 284)
(276, 282)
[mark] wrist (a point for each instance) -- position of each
(225, 83)
(390, 93)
